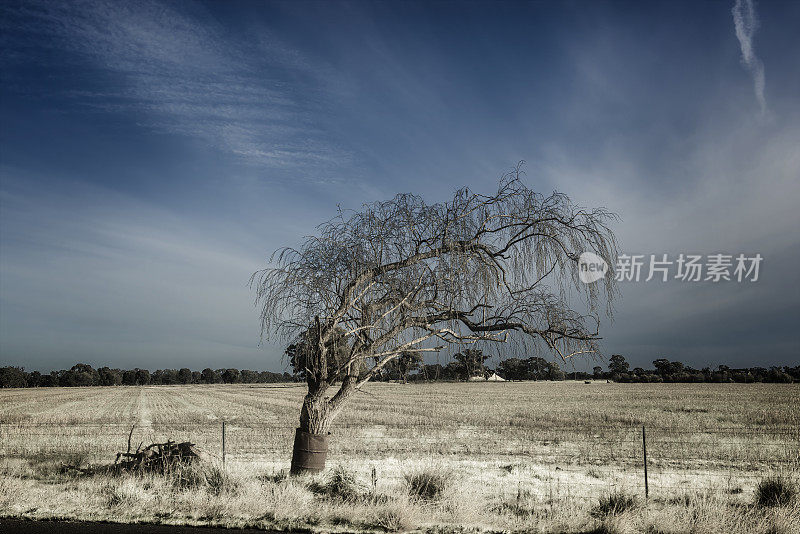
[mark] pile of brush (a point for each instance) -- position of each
(158, 457)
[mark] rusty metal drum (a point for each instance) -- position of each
(309, 453)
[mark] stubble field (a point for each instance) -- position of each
(531, 456)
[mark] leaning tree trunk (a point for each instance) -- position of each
(311, 437)
(318, 412)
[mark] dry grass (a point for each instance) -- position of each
(775, 490)
(615, 503)
(524, 456)
(429, 484)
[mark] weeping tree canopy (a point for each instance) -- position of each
(404, 275)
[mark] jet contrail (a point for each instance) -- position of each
(746, 23)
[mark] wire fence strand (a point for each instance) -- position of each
(724, 459)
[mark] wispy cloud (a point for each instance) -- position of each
(746, 23)
(177, 71)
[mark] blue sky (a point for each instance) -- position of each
(153, 154)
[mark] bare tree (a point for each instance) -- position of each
(404, 275)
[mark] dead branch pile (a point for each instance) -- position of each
(158, 457)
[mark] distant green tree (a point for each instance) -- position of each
(83, 375)
(210, 376)
(249, 377)
(407, 362)
(777, 375)
(184, 376)
(109, 377)
(512, 369)
(537, 368)
(617, 364)
(231, 376)
(169, 376)
(662, 366)
(453, 371)
(675, 368)
(471, 363)
(33, 379)
(129, 377)
(432, 372)
(12, 377)
(50, 380)
(142, 377)
(554, 372)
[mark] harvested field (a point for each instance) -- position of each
(531, 455)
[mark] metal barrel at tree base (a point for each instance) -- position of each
(309, 453)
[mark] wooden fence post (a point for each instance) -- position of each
(644, 450)
(223, 443)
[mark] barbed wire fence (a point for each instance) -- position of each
(656, 462)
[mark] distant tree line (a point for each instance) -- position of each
(673, 371)
(409, 367)
(82, 374)
(471, 363)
